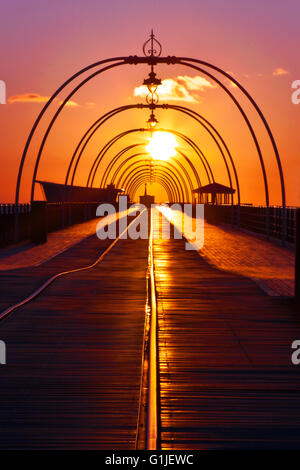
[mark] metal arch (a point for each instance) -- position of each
(122, 179)
(172, 177)
(145, 179)
(172, 184)
(153, 60)
(112, 113)
(196, 148)
(173, 190)
(182, 61)
(100, 122)
(103, 151)
(182, 136)
(108, 67)
(193, 114)
(160, 180)
(246, 120)
(255, 105)
(159, 162)
(115, 159)
(44, 109)
(157, 181)
(101, 154)
(167, 60)
(182, 109)
(122, 152)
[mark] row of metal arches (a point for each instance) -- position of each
(188, 62)
(206, 125)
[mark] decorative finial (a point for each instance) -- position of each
(155, 46)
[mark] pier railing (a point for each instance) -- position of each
(7, 226)
(56, 216)
(258, 219)
(42, 216)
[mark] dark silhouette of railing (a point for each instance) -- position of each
(254, 219)
(7, 217)
(40, 218)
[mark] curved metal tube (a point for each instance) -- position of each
(182, 60)
(122, 179)
(188, 112)
(108, 67)
(172, 183)
(147, 178)
(159, 162)
(241, 110)
(193, 114)
(143, 179)
(178, 192)
(102, 120)
(44, 109)
(122, 152)
(168, 60)
(103, 151)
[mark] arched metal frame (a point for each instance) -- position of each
(108, 145)
(153, 60)
(200, 119)
(159, 178)
(134, 184)
(157, 162)
(123, 151)
(175, 183)
(145, 179)
(97, 124)
(171, 168)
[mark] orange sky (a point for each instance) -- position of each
(42, 43)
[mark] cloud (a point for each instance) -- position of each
(35, 98)
(28, 98)
(181, 88)
(280, 71)
(70, 103)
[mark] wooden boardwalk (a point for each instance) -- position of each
(226, 376)
(72, 378)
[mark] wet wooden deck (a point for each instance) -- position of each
(226, 377)
(72, 378)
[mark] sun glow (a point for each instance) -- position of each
(162, 146)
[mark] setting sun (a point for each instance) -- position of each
(162, 146)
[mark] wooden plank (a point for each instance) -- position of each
(226, 376)
(74, 355)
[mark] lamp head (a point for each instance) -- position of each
(152, 82)
(152, 121)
